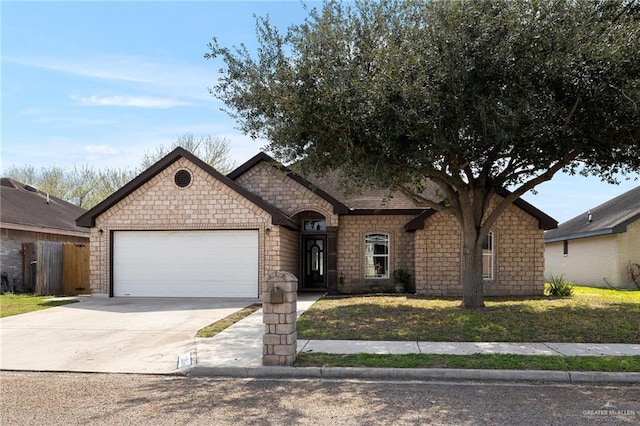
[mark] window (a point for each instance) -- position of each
(376, 254)
(314, 225)
(487, 257)
(565, 247)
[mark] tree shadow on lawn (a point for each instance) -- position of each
(515, 321)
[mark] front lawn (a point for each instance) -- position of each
(476, 361)
(226, 322)
(590, 316)
(14, 304)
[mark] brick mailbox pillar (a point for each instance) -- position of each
(279, 305)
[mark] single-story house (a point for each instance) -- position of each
(598, 247)
(28, 215)
(181, 229)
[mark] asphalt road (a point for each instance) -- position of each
(116, 399)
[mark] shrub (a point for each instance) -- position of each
(401, 279)
(634, 273)
(558, 286)
(401, 276)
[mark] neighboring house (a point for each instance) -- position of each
(28, 216)
(181, 229)
(597, 248)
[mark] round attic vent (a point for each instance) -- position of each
(182, 178)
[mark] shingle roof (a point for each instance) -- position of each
(358, 198)
(611, 217)
(29, 207)
(375, 201)
(344, 200)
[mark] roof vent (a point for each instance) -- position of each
(182, 178)
(589, 216)
(30, 188)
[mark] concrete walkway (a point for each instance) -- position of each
(467, 348)
(237, 351)
(109, 335)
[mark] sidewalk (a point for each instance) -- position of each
(237, 352)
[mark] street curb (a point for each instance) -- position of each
(415, 374)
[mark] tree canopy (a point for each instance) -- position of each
(475, 96)
(86, 186)
(212, 150)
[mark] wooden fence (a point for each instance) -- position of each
(55, 268)
(75, 269)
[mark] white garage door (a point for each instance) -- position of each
(185, 263)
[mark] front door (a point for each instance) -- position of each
(314, 262)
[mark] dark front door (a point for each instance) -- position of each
(314, 262)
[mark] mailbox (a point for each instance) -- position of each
(276, 295)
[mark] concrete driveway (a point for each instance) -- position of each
(117, 335)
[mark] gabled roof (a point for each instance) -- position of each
(611, 217)
(544, 221)
(338, 206)
(327, 187)
(24, 207)
(361, 200)
(375, 201)
(89, 218)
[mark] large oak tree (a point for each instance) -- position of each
(475, 96)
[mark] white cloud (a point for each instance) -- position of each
(75, 121)
(162, 75)
(90, 68)
(101, 149)
(128, 101)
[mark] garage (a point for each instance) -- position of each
(220, 263)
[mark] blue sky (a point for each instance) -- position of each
(100, 83)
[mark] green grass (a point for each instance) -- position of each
(477, 361)
(14, 304)
(591, 316)
(215, 328)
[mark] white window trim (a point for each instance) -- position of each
(388, 256)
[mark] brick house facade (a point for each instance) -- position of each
(328, 240)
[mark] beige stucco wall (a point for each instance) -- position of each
(629, 251)
(518, 256)
(351, 254)
(159, 204)
(599, 261)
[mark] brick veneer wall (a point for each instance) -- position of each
(438, 249)
(159, 204)
(518, 256)
(282, 253)
(286, 194)
(351, 261)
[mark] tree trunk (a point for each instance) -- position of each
(472, 281)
